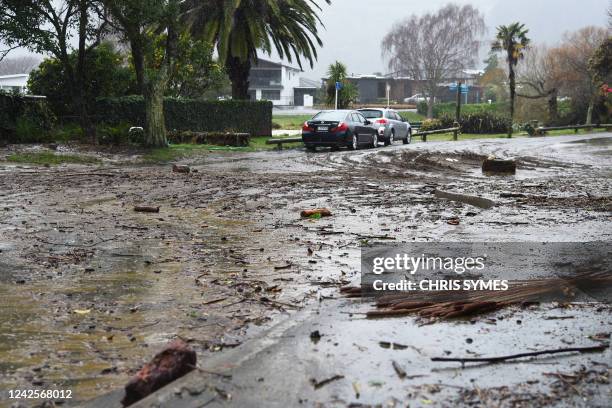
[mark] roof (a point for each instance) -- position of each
(309, 83)
(14, 76)
(278, 64)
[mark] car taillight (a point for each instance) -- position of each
(381, 121)
(306, 127)
(341, 127)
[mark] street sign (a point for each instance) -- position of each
(464, 88)
(338, 86)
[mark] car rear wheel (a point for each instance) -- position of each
(391, 138)
(374, 141)
(311, 148)
(408, 138)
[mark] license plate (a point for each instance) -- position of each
(323, 128)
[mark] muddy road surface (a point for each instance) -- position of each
(91, 289)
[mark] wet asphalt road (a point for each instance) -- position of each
(253, 200)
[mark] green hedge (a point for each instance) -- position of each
(24, 119)
(192, 114)
(478, 123)
(466, 109)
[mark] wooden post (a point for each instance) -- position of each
(455, 132)
(424, 137)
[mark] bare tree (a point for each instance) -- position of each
(536, 78)
(435, 46)
(572, 66)
(18, 65)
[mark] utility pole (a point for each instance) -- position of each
(338, 87)
(458, 113)
(336, 98)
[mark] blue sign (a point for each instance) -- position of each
(464, 88)
(338, 86)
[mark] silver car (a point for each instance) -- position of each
(391, 126)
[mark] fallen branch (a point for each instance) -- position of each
(467, 199)
(521, 355)
(318, 384)
(146, 209)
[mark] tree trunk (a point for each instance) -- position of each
(155, 127)
(238, 72)
(553, 111)
(430, 105)
(589, 118)
(81, 98)
(512, 78)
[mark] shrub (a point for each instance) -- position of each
(114, 135)
(484, 123)
(431, 124)
(479, 123)
(212, 138)
(24, 119)
(193, 114)
(450, 108)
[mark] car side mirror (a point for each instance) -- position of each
(367, 122)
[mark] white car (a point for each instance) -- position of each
(414, 99)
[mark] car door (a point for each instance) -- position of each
(364, 132)
(401, 125)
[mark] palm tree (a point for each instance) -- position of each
(241, 27)
(512, 40)
(337, 72)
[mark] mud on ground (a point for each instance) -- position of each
(91, 289)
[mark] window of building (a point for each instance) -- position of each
(270, 95)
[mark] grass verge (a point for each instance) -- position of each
(290, 122)
(181, 151)
(50, 158)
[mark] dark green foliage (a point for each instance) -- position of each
(209, 138)
(193, 114)
(475, 123)
(24, 119)
(483, 123)
(115, 135)
(450, 107)
(106, 75)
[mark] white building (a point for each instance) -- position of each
(273, 82)
(16, 82)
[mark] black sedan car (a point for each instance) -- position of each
(339, 128)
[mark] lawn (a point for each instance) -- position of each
(50, 158)
(180, 151)
(466, 136)
(290, 122)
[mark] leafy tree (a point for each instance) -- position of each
(512, 40)
(290, 26)
(145, 24)
(348, 94)
(435, 47)
(107, 74)
(196, 73)
(46, 27)
(493, 79)
(600, 64)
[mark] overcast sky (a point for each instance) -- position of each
(354, 28)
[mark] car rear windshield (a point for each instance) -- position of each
(371, 114)
(337, 116)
